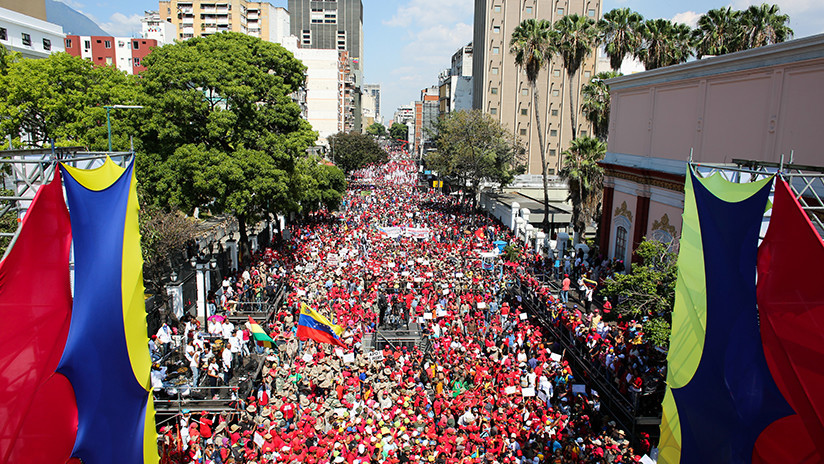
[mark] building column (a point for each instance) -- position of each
(641, 221)
(606, 217)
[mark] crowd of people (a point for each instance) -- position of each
(488, 387)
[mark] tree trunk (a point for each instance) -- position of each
(545, 222)
(572, 109)
(244, 252)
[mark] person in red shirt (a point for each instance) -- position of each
(565, 289)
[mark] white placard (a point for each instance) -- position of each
(429, 274)
(390, 264)
(427, 316)
(459, 274)
(646, 460)
(555, 357)
(301, 292)
(307, 357)
(481, 305)
(405, 273)
(629, 378)
(339, 352)
(522, 316)
(541, 395)
(511, 390)
(349, 358)
(441, 313)
(421, 320)
(418, 279)
(530, 391)
(259, 440)
(579, 388)
(409, 286)
(375, 356)
(446, 292)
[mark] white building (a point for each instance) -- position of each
(154, 27)
(31, 37)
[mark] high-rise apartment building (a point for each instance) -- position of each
(501, 89)
(28, 34)
(197, 18)
(374, 91)
(455, 83)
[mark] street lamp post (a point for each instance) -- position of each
(202, 266)
(109, 119)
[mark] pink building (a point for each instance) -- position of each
(758, 105)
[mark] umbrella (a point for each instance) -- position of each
(217, 317)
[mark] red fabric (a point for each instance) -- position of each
(791, 310)
(38, 408)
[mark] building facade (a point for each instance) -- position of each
(374, 91)
(123, 52)
(154, 27)
(455, 83)
(501, 89)
(756, 105)
(198, 18)
(31, 36)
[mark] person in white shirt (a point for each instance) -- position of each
(227, 365)
(193, 356)
(226, 329)
(164, 338)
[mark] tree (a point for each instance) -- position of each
(61, 98)
(664, 43)
(649, 290)
(473, 147)
(377, 129)
(351, 152)
(575, 38)
(163, 235)
(718, 32)
(585, 178)
(221, 132)
(398, 131)
(618, 32)
(326, 184)
(763, 25)
(532, 44)
(596, 103)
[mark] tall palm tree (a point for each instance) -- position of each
(595, 105)
(585, 178)
(718, 32)
(664, 43)
(532, 45)
(618, 31)
(575, 38)
(763, 25)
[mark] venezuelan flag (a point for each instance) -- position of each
(314, 326)
(260, 335)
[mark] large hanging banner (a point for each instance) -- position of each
(106, 357)
(720, 394)
(38, 413)
(791, 310)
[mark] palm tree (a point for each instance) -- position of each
(664, 43)
(585, 178)
(763, 25)
(596, 103)
(618, 31)
(575, 38)
(718, 32)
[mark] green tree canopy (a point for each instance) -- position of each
(351, 152)
(575, 38)
(473, 147)
(377, 129)
(398, 131)
(764, 25)
(222, 132)
(718, 31)
(619, 33)
(664, 43)
(596, 103)
(61, 98)
(585, 178)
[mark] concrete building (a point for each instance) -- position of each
(374, 90)
(367, 110)
(197, 18)
(154, 27)
(124, 52)
(32, 8)
(756, 105)
(501, 89)
(31, 36)
(455, 83)
(425, 122)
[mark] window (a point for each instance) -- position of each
(87, 44)
(495, 71)
(109, 61)
(524, 111)
(497, 8)
(523, 132)
(553, 133)
(555, 93)
(46, 44)
(4, 35)
(493, 91)
(591, 13)
(496, 29)
(554, 112)
(560, 11)
(496, 50)
(26, 39)
(587, 74)
(136, 45)
(524, 91)
(107, 44)
(550, 172)
(583, 133)
(493, 111)
(137, 61)
(307, 37)
(552, 152)
(556, 73)
(620, 242)
(528, 10)
(68, 43)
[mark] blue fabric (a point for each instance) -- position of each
(111, 404)
(311, 323)
(732, 396)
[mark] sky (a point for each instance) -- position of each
(409, 42)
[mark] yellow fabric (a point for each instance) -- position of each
(99, 178)
(669, 446)
(732, 192)
(150, 455)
